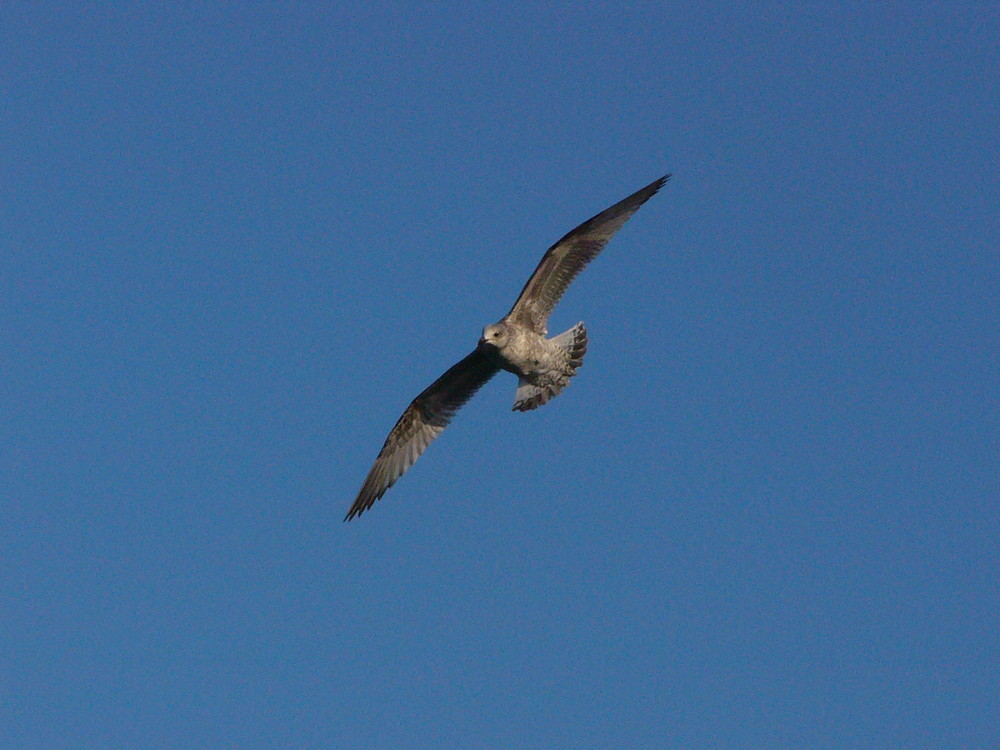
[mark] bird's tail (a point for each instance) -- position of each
(532, 395)
(574, 343)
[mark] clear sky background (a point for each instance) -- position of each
(236, 240)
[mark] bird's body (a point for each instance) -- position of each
(517, 343)
(543, 366)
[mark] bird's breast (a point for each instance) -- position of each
(524, 354)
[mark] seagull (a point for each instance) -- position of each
(517, 344)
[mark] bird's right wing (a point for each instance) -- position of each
(424, 419)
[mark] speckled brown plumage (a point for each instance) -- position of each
(517, 343)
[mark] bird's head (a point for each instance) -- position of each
(495, 335)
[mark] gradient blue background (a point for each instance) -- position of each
(238, 239)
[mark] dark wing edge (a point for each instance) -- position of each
(567, 257)
(424, 419)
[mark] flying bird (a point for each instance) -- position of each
(517, 343)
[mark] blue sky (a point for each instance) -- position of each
(238, 239)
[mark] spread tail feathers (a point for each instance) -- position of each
(532, 394)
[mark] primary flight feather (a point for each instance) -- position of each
(516, 343)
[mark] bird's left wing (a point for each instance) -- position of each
(424, 419)
(565, 259)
